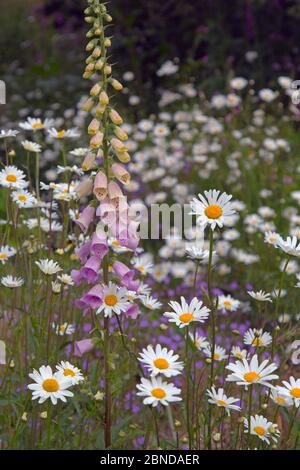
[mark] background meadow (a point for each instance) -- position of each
(199, 98)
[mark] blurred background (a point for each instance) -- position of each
(42, 47)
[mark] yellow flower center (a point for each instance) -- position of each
(280, 401)
(222, 403)
(111, 300)
(259, 430)
(11, 178)
(295, 392)
(251, 376)
(61, 133)
(227, 304)
(3, 255)
(158, 393)
(186, 317)
(161, 363)
(216, 356)
(69, 372)
(140, 268)
(50, 385)
(257, 342)
(213, 212)
(22, 198)
(62, 328)
(37, 125)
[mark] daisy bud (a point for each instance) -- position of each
(88, 105)
(95, 90)
(84, 188)
(277, 328)
(99, 396)
(185, 440)
(94, 127)
(107, 70)
(114, 191)
(24, 416)
(163, 327)
(120, 133)
(264, 406)
(103, 99)
(120, 173)
(96, 140)
(12, 364)
(96, 52)
(88, 162)
(43, 415)
(124, 157)
(118, 145)
(208, 360)
(115, 117)
(116, 84)
(100, 186)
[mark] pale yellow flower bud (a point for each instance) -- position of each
(96, 52)
(99, 64)
(96, 140)
(94, 127)
(120, 133)
(107, 70)
(118, 145)
(95, 90)
(103, 99)
(116, 84)
(124, 157)
(88, 105)
(115, 117)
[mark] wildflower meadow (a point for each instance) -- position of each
(149, 260)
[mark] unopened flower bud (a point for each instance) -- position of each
(118, 145)
(96, 52)
(107, 69)
(96, 140)
(43, 415)
(88, 162)
(99, 64)
(120, 133)
(124, 157)
(100, 110)
(116, 84)
(115, 117)
(95, 90)
(88, 105)
(216, 437)
(103, 98)
(94, 127)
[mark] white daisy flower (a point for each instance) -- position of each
(114, 300)
(260, 295)
(259, 426)
(64, 329)
(63, 134)
(219, 353)
(48, 266)
(218, 397)
(9, 133)
(238, 83)
(248, 373)
(150, 302)
(159, 360)
(272, 238)
(257, 338)
(12, 282)
(31, 146)
(66, 369)
(143, 264)
(290, 246)
(49, 385)
(200, 342)
(291, 389)
(226, 302)
(35, 124)
(281, 399)
(239, 353)
(157, 391)
(185, 313)
(6, 252)
(24, 199)
(66, 279)
(214, 209)
(198, 254)
(80, 152)
(12, 177)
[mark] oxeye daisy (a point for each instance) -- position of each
(248, 373)
(143, 264)
(226, 302)
(280, 398)
(198, 254)
(214, 209)
(24, 199)
(13, 178)
(12, 282)
(239, 353)
(257, 338)
(272, 238)
(36, 124)
(63, 134)
(183, 314)
(6, 252)
(218, 397)
(68, 370)
(32, 147)
(150, 302)
(200, 342)
(291, 389)
(10, 133)
(290, 246)
(49, 385)
(160, 360)
(259, 426)
(114, 300)
(260, 295)
(219, 353)
(157, 391)
(48, 266)
(64, 328)
(66, 279)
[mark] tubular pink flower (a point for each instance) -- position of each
(85, 218)
(100, 186)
